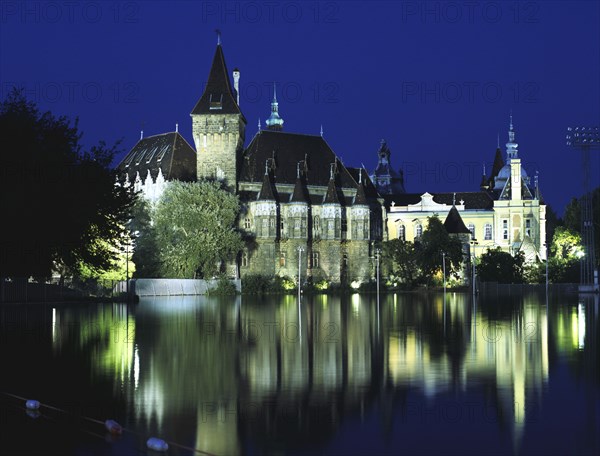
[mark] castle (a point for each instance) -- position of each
(311, 214)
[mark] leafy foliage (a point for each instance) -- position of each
(142, 231)
(494, 265)
(421, 261)
(63, 209)
(435, 241)
(196, 232)
(401, 259)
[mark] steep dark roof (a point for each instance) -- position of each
(497, 166)
(299, 195)
(218, 96)
(266, 191)
(169, 152)
(331, 197)
(369, 187)
(472, 200)
(454, 223)
(288, 149)
(360, 197)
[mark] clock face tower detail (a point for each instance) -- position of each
(218, 126)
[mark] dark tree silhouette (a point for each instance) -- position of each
(60, 206)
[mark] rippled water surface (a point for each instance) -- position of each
(335, 375)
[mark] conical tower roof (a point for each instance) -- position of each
(218, 96)
(266, 191)
(454, 223)
(331, 197)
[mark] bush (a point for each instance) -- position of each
(262, 284)
(225, 287)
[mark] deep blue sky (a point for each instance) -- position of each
(437, 80)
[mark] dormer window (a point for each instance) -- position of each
(215, 104)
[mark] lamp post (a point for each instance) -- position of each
(586, 139)
(127, 271)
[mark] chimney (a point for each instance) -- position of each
(236, 84)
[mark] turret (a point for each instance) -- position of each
(274, 122)
(218, 126)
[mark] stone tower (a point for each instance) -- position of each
(218, 126)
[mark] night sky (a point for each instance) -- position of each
(437, 80)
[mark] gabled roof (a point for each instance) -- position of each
(454, 223)
(169, 152)
(284, 151)
(218, 96)
(471, 200)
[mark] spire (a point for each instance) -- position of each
(274, 122)
(259, 126)
(321, 130)
(218, 96)
(511, 145)
(360, 198)
(331, 197)
(176, 128)
(454, 199)
(218, 32)
(299, 195)
(484, 184)
(266, 191)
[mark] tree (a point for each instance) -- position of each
(196, 230)
(143, 233)
(401, 260)
(496, 265)
(61, 208)
(434, 241)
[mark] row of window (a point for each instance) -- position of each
(313, 260)
(487, 231)
(361, 227)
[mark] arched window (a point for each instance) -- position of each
(488, 232)
(402, 232)
(418, 231)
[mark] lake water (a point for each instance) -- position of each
(335, 375)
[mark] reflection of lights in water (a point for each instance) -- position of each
(581, 327)
(136, 366)
(54, 324)
(355, 303)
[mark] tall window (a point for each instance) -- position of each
(488, 232)
(528, 227)
(505, 229)
(472, 230)
(402, 232)
(247, 223)
(282, 229)
(282, 259)
(315, 260)
(418, 231)
(244, 259)
(345, 260)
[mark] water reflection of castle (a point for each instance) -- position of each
(226, 372)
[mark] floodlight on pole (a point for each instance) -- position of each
(586, 139)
